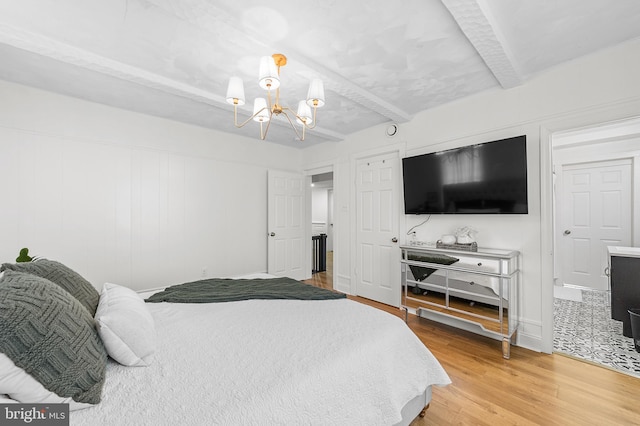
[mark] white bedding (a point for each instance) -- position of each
(270, 362)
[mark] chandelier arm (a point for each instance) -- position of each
(264, 135)
(301, 119)
(315, 108)
(235, 117)
(291, 123)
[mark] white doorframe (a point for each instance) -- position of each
(546, 240)
(317, 169)
(602, 116)
(330, 214)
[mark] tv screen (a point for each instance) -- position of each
(487, 178)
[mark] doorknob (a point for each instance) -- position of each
(273, 234)
(394, 240)
(566, 232)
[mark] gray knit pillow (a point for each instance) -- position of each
(62, 275)
(51, 337)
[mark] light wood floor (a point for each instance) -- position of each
(324, 279)
(529, 389)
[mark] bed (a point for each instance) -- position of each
(273, 361)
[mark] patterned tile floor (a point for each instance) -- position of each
(585, 330)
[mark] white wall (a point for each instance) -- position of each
(128, 198)
(319, 204)
(594, 89)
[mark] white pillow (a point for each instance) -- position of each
(4, 399)
(126, 326)
(21, 386)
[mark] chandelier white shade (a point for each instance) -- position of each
(269, 77)
(315, 95)
(260, 112)
(264, 110)
(235, 91)
(304, 113)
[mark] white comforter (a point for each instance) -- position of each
(270, 362)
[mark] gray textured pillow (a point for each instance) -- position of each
(62, 275)
(51, 337)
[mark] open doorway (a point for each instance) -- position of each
(595, 181)
(322, 230)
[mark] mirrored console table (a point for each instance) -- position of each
(475, 291)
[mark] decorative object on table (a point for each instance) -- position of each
(465, 235)
(24, 256)
(464, 240)
(448, 239)
(455, 246)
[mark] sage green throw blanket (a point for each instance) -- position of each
(231, 290)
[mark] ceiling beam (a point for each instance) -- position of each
(355, 93)
(475, 21)
(46, 46)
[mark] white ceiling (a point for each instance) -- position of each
(381, 61)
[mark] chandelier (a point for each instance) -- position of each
(264, 110)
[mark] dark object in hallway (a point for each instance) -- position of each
(634, 317)
(319, 253)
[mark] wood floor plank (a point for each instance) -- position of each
(530, 388)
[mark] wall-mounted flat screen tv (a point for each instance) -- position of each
(487, 178)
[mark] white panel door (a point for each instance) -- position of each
(377, 205)
(286, 246)
(596, 213)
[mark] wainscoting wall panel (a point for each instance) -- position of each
(138, 207)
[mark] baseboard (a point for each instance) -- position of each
(527, 341)
(342, 283)
(530, 335)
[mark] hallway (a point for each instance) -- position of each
(323, 279)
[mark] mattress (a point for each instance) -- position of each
(270, 362)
